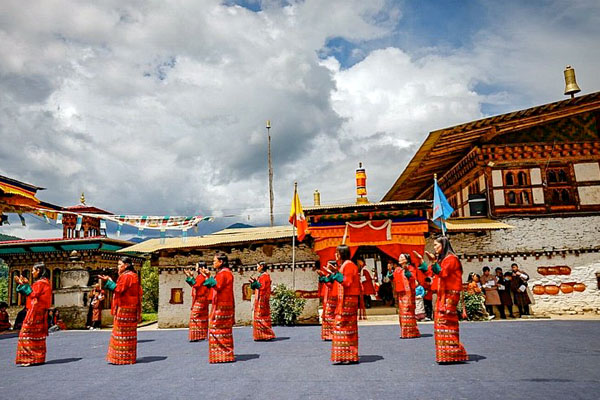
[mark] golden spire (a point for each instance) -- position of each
(82, 198)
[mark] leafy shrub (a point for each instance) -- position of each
(150, 288)
(285, 306)
(475, 305)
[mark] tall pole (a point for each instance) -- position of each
(294, 240)
(270, 171)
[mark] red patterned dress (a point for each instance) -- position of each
(198, 326)
(446, 333)
(222, 317)
(329, 305)
(405, 292)
(262, 329)
(126, 311)
(31, 347)
(344, 340)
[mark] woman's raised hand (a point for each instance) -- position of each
(431, 256)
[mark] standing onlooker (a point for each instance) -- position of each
(428, 298)
(386, 292)
(366, 281)
(419, 303)
(492, 297)
(519, 289)
(504, 290)
(96, 304)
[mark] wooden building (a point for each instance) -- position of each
(536, 170)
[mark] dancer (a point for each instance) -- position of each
(222, 314)
(262, 309)
(31, 347)
(126, 311)
(346, 282)
(448, 268)
(405, 285)
(330, 301)
(198, 326)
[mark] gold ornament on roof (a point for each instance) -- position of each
(82, 198)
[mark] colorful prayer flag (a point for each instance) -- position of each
(441, 207)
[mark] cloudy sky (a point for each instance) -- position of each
(159, 107)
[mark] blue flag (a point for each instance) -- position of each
(441, 208)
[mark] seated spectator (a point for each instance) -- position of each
(419, 303)
(4, 321)
(489, 284)
(474, 290)
(19, 319)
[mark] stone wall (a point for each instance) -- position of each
(536, 243)
(177, 315)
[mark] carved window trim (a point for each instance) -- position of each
(176, 296)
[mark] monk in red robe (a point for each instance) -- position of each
(262, 329)
(31, 347)
(222, 314)
(447, 267)
(126, 311)
(346, 283)
(198, 326)
(405, 285)
(4, 321)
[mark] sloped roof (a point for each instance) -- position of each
(474, 225)
(445, 147)
(224, 237)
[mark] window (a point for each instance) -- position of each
(176, 296)
(13, 293)
(562, 176)
(510, 179)
(525, 198)
(552, 177)
(564, 196)
(56, 278)
(511, 198)
(557, 175)
(522, 178)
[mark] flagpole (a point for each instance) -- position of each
(442, 217)
(294, 239)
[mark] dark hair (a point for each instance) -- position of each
(408, 259)
(486, 268)
(359, 258)
(514, 265)
(428, 279)
(331, 262)
(446, 247)
(343, 251)
(40, 266)
(470, 276)
(262, 264)
(3, 304)
(223, 258)
(498, 269)
(508, 273)
(129, 262)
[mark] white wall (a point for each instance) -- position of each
(177, 315)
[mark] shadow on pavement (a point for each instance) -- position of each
(145, 340)
(9, 335)
(278, 339)
(149, 359)
(246, 357)
(63, 360)
(476, 357)
(426, 335)
(369, 358)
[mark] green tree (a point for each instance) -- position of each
(150, 288)
(285, 306)
(3, 281)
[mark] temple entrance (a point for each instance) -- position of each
(382, 302)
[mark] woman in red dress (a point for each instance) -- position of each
(448, 269)
(262, 329)
(198, 326)
(405, 285)
(346, 283)
(126, 311)
(330, 301)
(222, 314)
(31, 347)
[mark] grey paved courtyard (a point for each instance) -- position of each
(509, 360)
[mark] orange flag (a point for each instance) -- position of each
(297, 217)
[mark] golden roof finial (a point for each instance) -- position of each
(82, 198)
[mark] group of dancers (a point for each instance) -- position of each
(342, 307)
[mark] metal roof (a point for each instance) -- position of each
(220, 238)
(474, 225)
(445, 147)
(60, 244)
(394, 205)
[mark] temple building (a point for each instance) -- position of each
(74, 260)
(525, 187)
